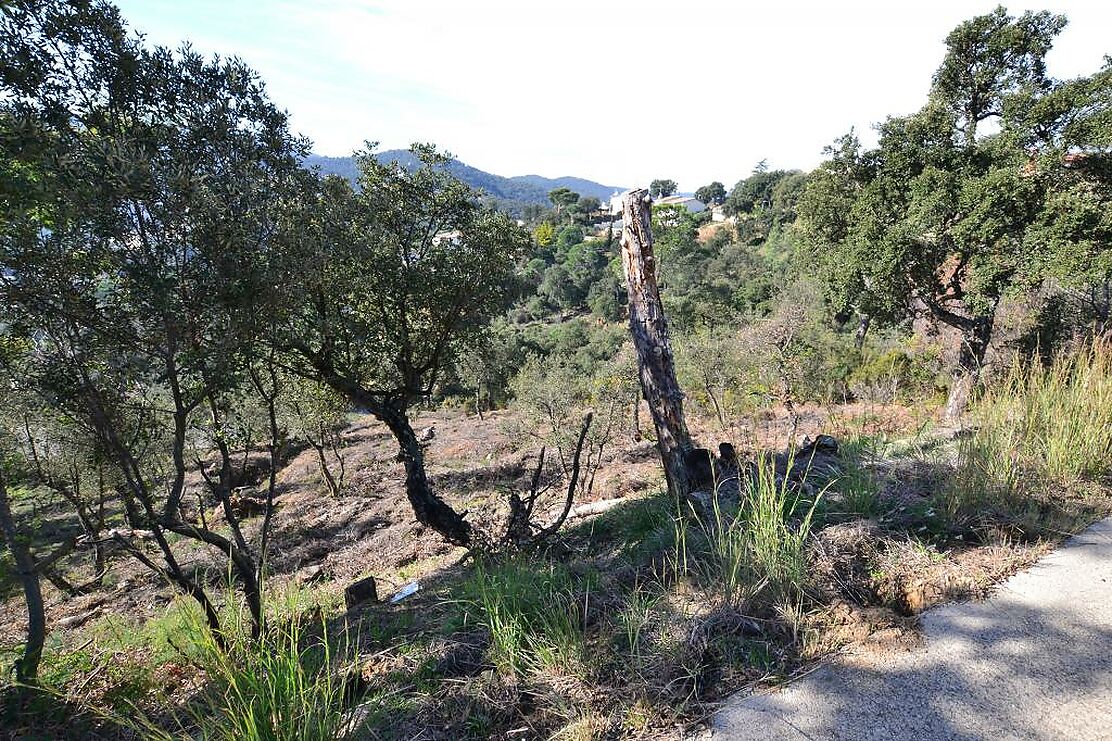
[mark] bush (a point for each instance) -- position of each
(1039, 424)
(904, 372)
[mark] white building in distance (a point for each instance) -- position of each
(693, 205)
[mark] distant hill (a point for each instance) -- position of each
(509, 193)
(579, 185)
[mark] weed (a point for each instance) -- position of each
(857, 489)
(636, 616)
(757, 551)
(533, 615)
(285, 685)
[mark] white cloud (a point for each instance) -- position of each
(620, 92)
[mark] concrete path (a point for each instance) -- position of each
(1032, 662)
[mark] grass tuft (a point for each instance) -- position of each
(758, 552)
(532, 613)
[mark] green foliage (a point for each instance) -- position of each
(317, 414)
(662, 188)
(856, 491)
(712, 194)
(434, 260)
(946, 217)
(587, 206)
(140, 307)
(766, 192)
(562, 198)
(485, 366)
(903, 372)
(291, 683)
(718, 373)
(544, 234)
(533, 613)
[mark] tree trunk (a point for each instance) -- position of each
(636, 434)
(322, 463)
(27, 667)
(430, 509)
(647, 324)
(709, 388)
(862, 331)
(971, 357)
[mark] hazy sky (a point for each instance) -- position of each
(620, 92)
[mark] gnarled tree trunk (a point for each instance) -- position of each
(647, 324)
(971, 357)
(26, 667)
(430, 509)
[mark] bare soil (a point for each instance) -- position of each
(872, 577)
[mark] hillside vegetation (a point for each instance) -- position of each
(512, 194)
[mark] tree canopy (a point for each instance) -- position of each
(381, 287)
(944, 216)
(662, 188)
(713, 194)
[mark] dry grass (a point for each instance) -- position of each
(644, 619)
(1041, 430)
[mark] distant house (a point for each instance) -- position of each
(718, 213)
(453, 237)
(693, 205)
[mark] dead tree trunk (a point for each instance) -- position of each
(647, 324)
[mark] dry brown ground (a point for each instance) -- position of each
(370, 529)
(874, 583)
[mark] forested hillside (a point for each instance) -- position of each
(297, 447)
(512, 194)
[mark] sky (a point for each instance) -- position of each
(617, 91)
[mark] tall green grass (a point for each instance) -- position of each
(1039, 424)
(758, 552)
(290, 684)
(286, 686)
(532, 612)
(856, 488)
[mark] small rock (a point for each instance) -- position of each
(313, 574)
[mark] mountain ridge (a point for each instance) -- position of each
(512, 193)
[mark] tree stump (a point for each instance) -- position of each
(364, 590)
